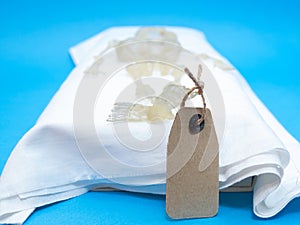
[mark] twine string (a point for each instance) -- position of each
(199, 87)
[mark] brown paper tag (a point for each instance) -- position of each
(192, 189)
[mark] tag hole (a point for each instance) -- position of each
(194, 126)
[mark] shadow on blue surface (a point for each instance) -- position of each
(136, 208)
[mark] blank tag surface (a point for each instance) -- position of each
(192, 188)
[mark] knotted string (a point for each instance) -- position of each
(198, 86)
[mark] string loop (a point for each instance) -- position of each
(199, 86)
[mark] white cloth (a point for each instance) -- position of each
(46, 166)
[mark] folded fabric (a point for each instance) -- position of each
(47, 165)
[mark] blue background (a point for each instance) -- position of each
(261, 38)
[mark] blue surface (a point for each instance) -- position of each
(261, 38)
